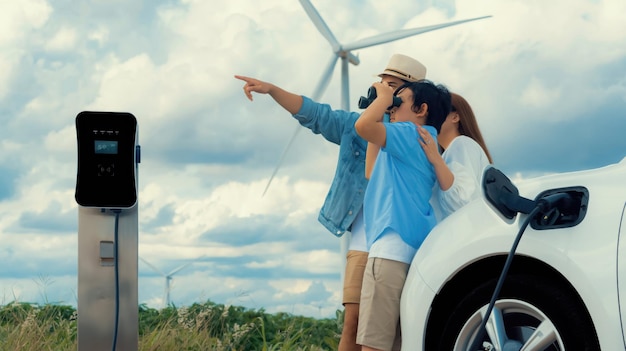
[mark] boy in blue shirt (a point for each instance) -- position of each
(396, 206)
(342, 209)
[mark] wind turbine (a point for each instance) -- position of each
(344, 52)
(168, 278)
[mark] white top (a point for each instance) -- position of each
(358, 241)
(467, 161)
(391, 246)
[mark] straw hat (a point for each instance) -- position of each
(405, 68)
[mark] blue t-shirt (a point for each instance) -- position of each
(400, 186)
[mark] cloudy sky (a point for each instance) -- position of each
(547, 81)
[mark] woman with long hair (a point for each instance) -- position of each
(460, 167)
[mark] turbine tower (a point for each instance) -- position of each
(168, 279)
(344, 52)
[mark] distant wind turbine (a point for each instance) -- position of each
(345, 53)
(168, 278)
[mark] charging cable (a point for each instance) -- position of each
(517, 204)
(117, 277)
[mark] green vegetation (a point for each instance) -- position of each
(207, 326)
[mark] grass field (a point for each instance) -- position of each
(206, 327)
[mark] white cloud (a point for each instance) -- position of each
(318, 261)
(100, 35)
(197, 211)
(537, 95)
(129, 86)
(290, 287)
(17, 18)
(6, 72)
(63, 40)
(265, 264)
(18, 21)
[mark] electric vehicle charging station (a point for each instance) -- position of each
(106, 192)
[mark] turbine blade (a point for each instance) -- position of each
(320, 24)
(317, 93)
(353, 59)
(325, 79)
(280, 160)
(400, 34)
(176, 270)
(153, 267)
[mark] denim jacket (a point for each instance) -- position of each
(345, 197)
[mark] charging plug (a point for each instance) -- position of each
(552, 202)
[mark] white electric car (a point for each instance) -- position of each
(564, 287)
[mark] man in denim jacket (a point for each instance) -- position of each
(342, 209)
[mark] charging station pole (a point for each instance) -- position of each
(106, 192)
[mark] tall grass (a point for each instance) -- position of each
(206, 326)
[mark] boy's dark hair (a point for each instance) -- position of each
(437, 97)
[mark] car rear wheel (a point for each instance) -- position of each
(531, 313)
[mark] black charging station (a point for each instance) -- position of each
(106, 192)
(107, 159)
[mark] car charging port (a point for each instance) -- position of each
(562, 208)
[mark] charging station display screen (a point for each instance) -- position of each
(107, 159)
(105, 147)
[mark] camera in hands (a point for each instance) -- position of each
(365, 101)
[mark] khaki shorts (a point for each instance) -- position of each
(379, 312)
(353, 279)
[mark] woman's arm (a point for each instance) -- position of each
(445, 177)
(467, 161)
